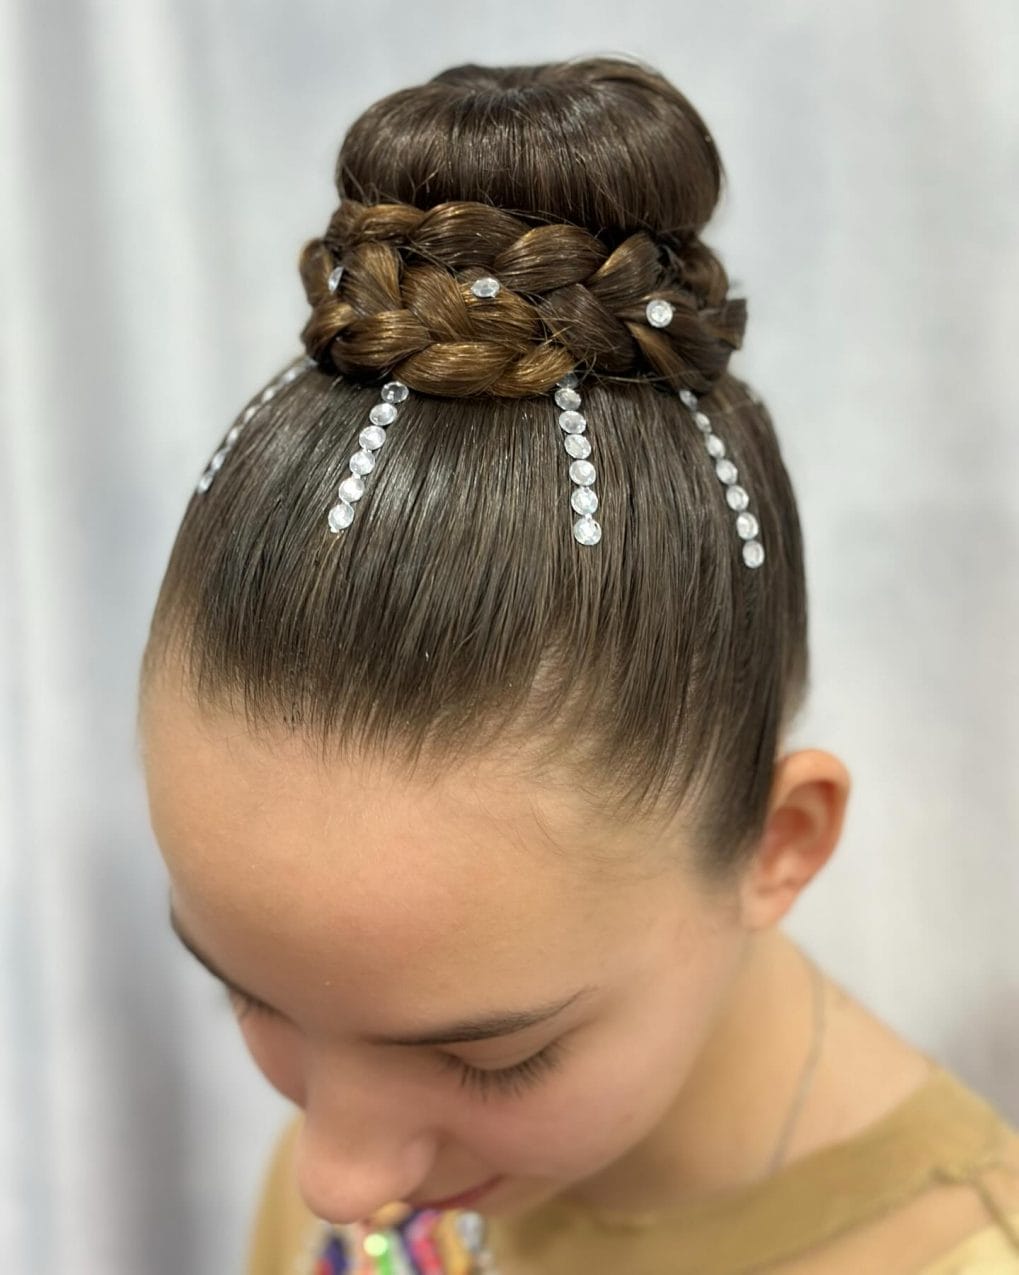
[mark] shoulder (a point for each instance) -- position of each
(282, 1226)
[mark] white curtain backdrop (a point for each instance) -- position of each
(162, 164)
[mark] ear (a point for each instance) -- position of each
(805, 814)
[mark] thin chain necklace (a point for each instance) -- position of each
(809, 1067)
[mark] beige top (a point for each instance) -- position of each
(932, 1188)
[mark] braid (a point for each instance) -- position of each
(568, 299)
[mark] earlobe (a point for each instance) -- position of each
(809, 795)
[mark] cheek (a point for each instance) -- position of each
(275, 1049)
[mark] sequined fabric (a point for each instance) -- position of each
(421, 1242)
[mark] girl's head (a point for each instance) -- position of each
(449, 763)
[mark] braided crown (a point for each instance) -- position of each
(567, 299)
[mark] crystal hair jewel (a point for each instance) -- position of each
(250, 412)
(572, 421)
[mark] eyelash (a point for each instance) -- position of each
(516, 1079)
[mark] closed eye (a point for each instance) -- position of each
(513, 1080)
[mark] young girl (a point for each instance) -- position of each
(464, 712)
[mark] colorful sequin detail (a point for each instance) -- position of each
(423, 1242)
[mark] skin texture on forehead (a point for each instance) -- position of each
(417, 890)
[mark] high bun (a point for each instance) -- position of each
(651, 677)
(582, 186)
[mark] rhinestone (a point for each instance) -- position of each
(382, 414)
(569, 382)
(567, 398)
(352, 488)
(583, 472)
(268, 393)
(372, 437)
(205, 482)
(753, 553)
(737, 497)
(726, 470)
(394, 392)
(233, 436)
(334, 278)
(578, 445)
(361, 463)
(340, 516)
(572, 422)
(747, 526)
(291, 374)
(702, 422)
(587, 531)
(486, 286)
(308, 361)
(218, 459)
(248, 414)
(659, 313)
(584, 500)
(689, 398)
(714, 445)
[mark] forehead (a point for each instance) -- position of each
(258, 834)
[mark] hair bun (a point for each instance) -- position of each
(580, 186)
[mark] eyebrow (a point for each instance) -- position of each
(475, 1027)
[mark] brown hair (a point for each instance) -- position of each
(654, 673)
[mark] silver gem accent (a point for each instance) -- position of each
(747, 526)
(372, 437)
(737, 498)
(659, 312)
(394, 392)
(572, 422)
(351, 488)
(753, 553)
(578, 446)
(249, 413)
(584, 500)
(362, 463)
(382, 414)
(334, 278)
(570, 381)
(340, 516)
(583, 472)
(587, 531)
(567, 398)
(486, 286)
(714, 445)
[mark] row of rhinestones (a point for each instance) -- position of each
(573, 423)
(251, 411)
(747, 526)
(362, 462)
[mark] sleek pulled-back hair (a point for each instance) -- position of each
(655, 673)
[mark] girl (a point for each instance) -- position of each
(464, 712)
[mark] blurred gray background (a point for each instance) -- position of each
(162, 164)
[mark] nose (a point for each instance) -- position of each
(344, 1180)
